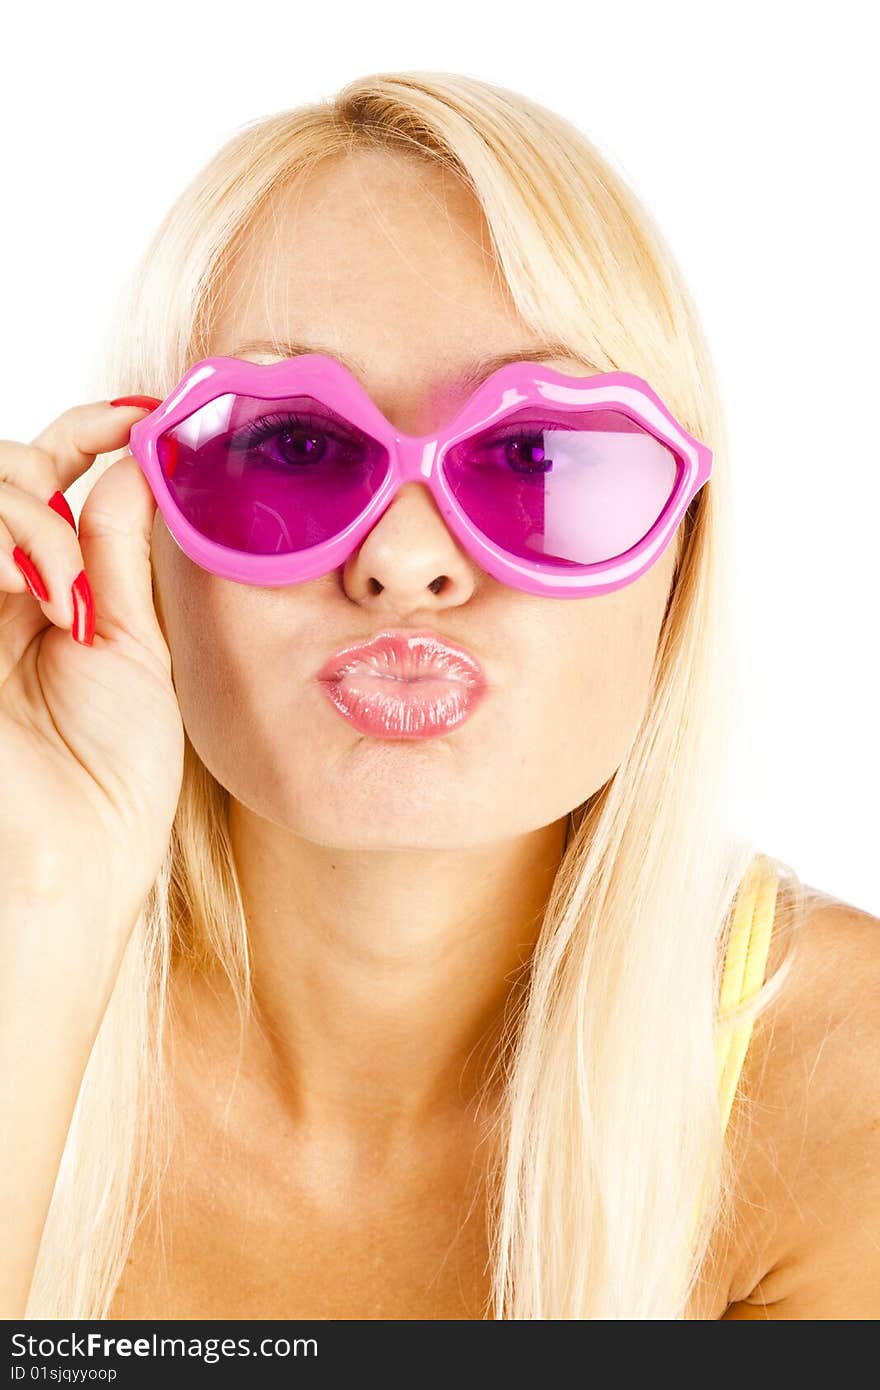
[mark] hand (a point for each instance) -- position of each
(91, 739)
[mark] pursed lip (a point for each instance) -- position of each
(405, 655)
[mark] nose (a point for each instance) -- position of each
(410, 559)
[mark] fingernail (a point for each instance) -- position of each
(58, 503)
(146, 402)
(83, 629)
(32, 576)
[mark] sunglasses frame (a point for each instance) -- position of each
(418, 458)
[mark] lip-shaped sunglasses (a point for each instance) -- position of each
(269, 474)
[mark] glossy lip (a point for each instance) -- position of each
(407, 655)
(403, 684)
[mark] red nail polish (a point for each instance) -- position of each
(147, 402)
(32, 576)
(58, 502)
(83, 629)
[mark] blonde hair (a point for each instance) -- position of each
(610, 1122)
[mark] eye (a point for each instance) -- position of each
(524, 452)
(294, 440)
(523, 449)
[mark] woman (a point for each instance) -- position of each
(390, 1026)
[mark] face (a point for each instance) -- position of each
(386, 263)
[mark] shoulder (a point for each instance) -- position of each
(806, 1132)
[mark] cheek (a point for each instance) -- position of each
(590, 691)
(206, 626)
(609, 682)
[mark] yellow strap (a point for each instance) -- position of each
(744, 969)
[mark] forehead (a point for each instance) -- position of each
(385, 262)
(371, 241)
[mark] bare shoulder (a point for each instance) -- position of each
(806, 1133)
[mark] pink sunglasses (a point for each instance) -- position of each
(269, 474)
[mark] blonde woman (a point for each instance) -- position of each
(327, 996)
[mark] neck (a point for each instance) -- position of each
(381, 978)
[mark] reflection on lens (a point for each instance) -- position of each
(573, 487)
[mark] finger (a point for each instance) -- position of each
(11, 578)
(115, 533)
(47, 550)
(75, 438)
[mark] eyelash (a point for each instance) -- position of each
(268, 425)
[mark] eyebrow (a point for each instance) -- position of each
(470, 377)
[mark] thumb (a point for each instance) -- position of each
(115, 530)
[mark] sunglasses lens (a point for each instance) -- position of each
(566, 488)
(269, 477)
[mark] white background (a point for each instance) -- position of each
(749, 130)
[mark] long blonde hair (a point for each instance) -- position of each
(610, 1123)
